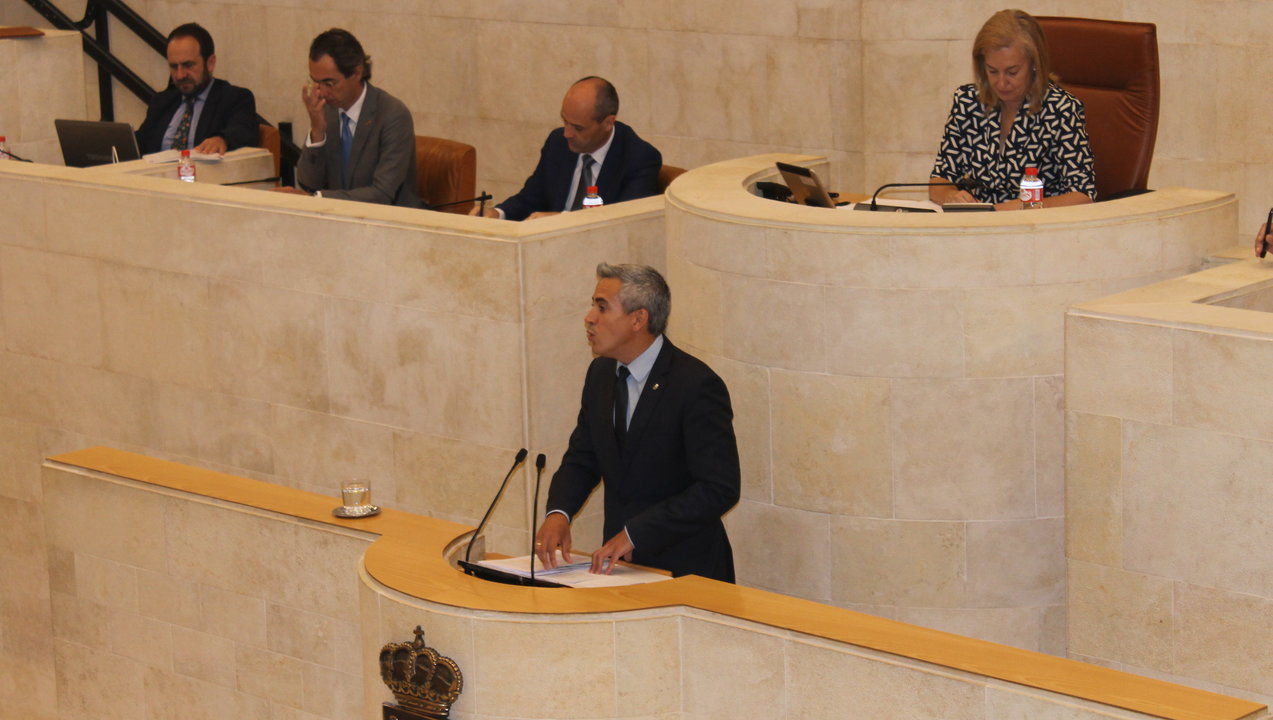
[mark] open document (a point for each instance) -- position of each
(575, 574)
(172, 156)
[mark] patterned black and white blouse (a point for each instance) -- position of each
(1054, 140)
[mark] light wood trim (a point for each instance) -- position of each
(718, 190)
(20, 31)
(408, 558)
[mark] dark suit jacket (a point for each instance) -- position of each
(679, 470)
(631, 171)
(230, 112)
(382, 160)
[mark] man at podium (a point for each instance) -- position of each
(656, 427)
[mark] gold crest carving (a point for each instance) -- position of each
(424, 683)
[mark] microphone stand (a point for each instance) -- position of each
(540, 460)
(6, 153)
(965, 183)
(274, 179)
(479, 199)
(468, 552)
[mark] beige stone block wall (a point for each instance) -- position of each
(1169, 445)
(299, 343)
(43, 79)
(667, 664)
(162, 602)
(899, 387)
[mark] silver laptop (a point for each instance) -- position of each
(806, 188)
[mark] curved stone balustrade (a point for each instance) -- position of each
(897, 384)
(290, 605)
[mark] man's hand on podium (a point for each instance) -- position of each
(617, 548)
(554, 533)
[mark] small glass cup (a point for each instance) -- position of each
(355, 495)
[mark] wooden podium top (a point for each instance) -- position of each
(409, 556)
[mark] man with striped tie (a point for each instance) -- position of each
(197, 112)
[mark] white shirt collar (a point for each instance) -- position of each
(355, 110)
(599, 155)
(644, 363)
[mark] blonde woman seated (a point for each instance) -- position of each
(1013, 117)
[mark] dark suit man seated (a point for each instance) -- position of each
(197, 112)
(361, 143)
(620, 164)
(656, 427)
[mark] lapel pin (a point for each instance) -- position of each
(656, 386)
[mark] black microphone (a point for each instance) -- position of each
(480, 198)
(274, 179)
(540, 460)
(6, 153)
(521, 455)
(967, 183)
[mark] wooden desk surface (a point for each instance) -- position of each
(408, 557)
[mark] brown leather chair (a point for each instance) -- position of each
(1113, 68)
(446, 171)
(667, 174)
(269, 139)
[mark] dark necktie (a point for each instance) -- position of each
(621, 405)
(585, 180)
(182, 137)
(346, 148)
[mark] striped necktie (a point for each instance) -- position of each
(181, 139)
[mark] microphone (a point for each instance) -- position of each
(521, 455)
(534, 511)
(967, 183)
(274, 179)
(480, 198)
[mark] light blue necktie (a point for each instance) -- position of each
(346, 148)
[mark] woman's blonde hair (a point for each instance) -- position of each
(1005, 29)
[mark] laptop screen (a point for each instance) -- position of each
(806, 189)
(86, 143)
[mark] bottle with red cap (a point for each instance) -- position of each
(4, 149)
(185, 167)
(1031, 189)
(592, 199)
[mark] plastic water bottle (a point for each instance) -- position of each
(1031, 189)
(4, 149)
(592, 199)
(185, 167)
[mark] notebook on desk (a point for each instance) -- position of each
(86, 143)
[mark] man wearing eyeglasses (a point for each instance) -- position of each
(361, 143)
